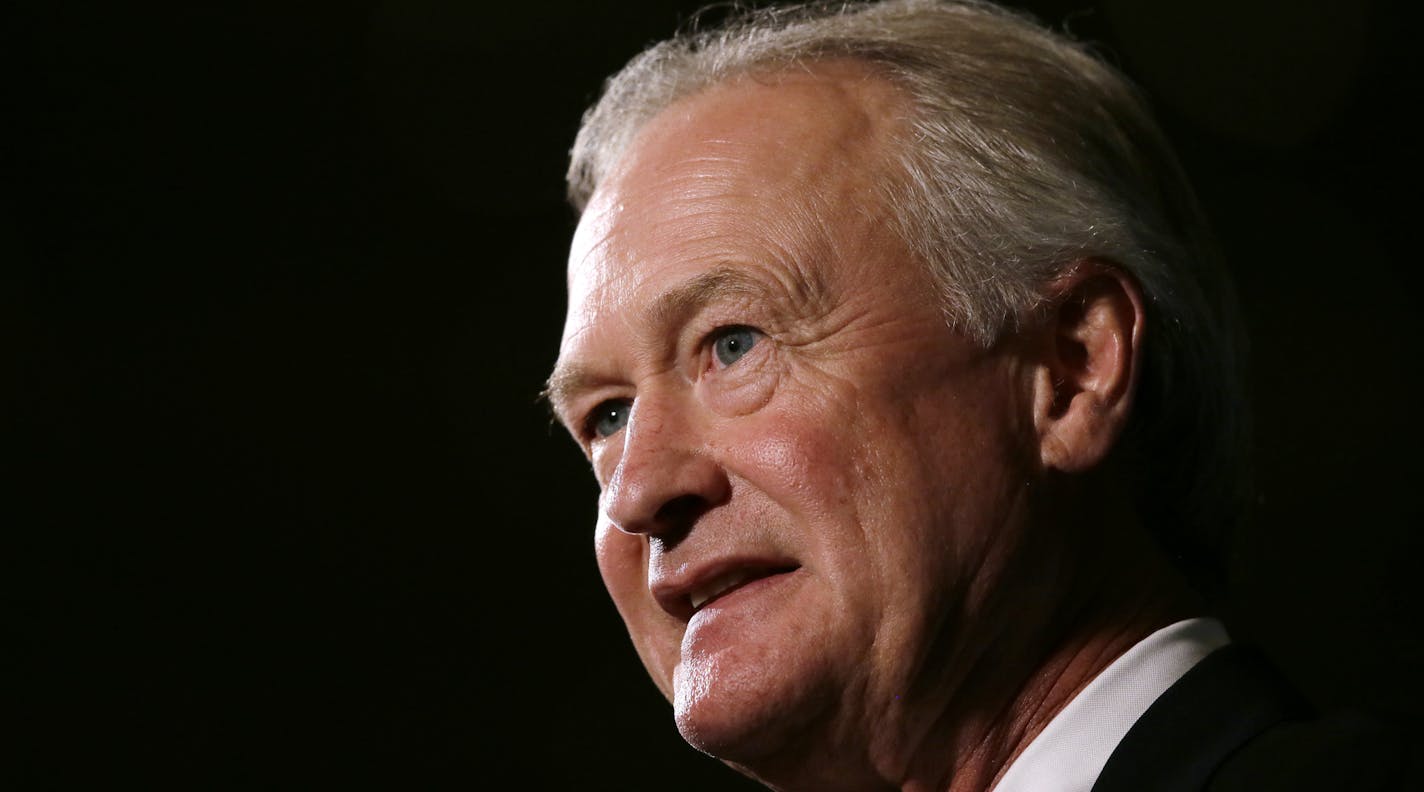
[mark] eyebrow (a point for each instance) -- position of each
(718, 283)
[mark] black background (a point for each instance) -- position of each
(281, 283)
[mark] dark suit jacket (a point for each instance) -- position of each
(1233, 723)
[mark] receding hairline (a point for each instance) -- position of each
(878, 121)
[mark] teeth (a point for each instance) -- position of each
(719, 585)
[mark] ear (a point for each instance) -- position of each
(1088, 352)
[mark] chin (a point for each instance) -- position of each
(730, 733)
(743, 712)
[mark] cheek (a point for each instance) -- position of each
(623, 563)
(881, 486)
(818, 449)
(799, 465)
(808, 464)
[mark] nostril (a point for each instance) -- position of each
(682, 508)
(678, 515)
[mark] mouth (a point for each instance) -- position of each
(707, 589)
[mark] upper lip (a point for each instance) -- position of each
(676, 592)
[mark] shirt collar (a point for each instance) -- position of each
(1070, 752)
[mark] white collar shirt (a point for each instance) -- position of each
(1070, 752)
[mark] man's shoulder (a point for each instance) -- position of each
(1233, 722)
(1350, 750)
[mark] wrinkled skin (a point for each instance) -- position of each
(763, 381)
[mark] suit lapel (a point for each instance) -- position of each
(1231, 696)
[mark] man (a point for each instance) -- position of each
(909, 379)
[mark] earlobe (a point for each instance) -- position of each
(1089, 348)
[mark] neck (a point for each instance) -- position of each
(1062, 676)
(1124, 594)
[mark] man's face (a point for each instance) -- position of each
(811, 487)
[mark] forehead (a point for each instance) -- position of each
(790, 125)
(770, 169)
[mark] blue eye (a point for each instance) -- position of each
(733, 343)
(610, 416)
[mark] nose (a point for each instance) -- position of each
(666, 477)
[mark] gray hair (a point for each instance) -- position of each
(1024, 155)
